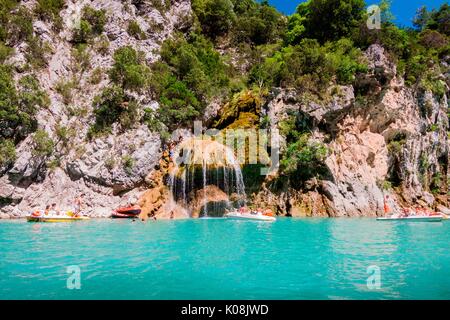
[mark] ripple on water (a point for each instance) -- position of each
(223, 259)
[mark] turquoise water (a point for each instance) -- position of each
(223, 259)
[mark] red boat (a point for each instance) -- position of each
(127, 212)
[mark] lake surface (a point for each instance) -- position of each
(224, 259)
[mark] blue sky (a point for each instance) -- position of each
(403, 10)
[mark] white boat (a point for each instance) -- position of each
(436, 218)
(249, 216)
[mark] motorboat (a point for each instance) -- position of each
(257, 216)
(431, 218)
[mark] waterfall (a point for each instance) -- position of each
(204, 186)
(206, 164)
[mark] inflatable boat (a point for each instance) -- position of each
(126, 212)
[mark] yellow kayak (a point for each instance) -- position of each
(54, 218)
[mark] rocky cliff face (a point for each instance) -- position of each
(109, 169)
(391, 144)
(394, 142)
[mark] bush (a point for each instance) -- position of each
(31, 95)
(112, 106)
(20, 27)
(304, 156)
(65, 89)
(91, 25)
(310, 66)
(257, 23)
(135, 31)
(129, 69)
(216, 16)
(128, 163)
(49, 10)
(326, 20)
(7, 153)
(37, 53)
(18, 106)
(43, 144)
(96, 76)
(96, 18)
(5, 52)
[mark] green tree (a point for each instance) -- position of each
(216, 16)
(129, 69)
(328, 19)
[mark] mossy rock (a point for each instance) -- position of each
(242, 112)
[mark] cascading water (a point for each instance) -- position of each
(206, 164)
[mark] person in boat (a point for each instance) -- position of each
(53, 210)
(79, 201)
(47, 210)
(387, 210)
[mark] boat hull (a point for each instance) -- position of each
(56, 219)
(254, 217)
(117, 215)
(413, 219)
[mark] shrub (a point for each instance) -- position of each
(128, 163)
(83, 32)
(81, 58)
(432, 39)
(111, 106)
(20, 26)
(91, 25)
(135, 31)
(49, 10)
(5, 52)
(96, 76)
(257, 23)
(129, 69)
(65, 89)
(326, 20)
(31, 95)
(304, 155)
(43, 144)
(96, 18)
(18, 106)
(216, 16)
(37, 53)
(7, 152)
(102, 45)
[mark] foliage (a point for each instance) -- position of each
(128, 163)
(310, 65)
(325, 20)
(216, 16)
(65, 89)
(37, 52)
(18, 106)
(112, 106)
(129, 69)
(91, 25)
(304, 155)
(190, 73)
(135, 31)
(7, 152)
(42, 143)
(49, 10)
